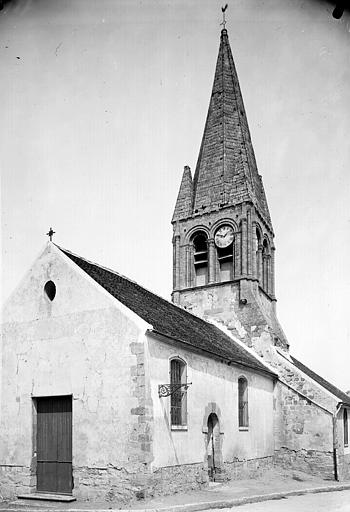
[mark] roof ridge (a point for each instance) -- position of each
(334, 390)
(178, 306)
(96, 264)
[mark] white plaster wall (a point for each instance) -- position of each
(77, 344)
(212, 381)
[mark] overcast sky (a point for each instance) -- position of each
(104, 102)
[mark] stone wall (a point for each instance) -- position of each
(114, 484)
(15, 480)
(303, 422)
(178, 478)
(314, 462)
(300, 424)
(344, 466)
(120, 486)
(249, 468)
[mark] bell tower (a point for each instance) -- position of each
(223, 241)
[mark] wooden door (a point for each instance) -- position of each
(54, 444)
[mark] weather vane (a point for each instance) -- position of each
(51, 233)
(223, 9)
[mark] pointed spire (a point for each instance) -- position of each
(183, 207)
(226, 171)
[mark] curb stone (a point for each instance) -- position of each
(191, 507)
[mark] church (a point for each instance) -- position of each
(110, 392)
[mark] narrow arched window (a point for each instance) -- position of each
(242, 402)
(200, 256)
(265, 266)
(346, 427)
(178, 400)
(258, 251)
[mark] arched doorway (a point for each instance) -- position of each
(213, 446)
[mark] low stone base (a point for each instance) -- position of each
(111, 484)
(107, 484)
(344, 467)
(248, 468)
(313, 462)
(182, 478)
(15, 480)
(118, 485)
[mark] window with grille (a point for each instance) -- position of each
(242, 402)
(346, 427)
(178, 397)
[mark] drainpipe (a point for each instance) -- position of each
(335, 444)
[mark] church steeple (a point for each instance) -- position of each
(226, 171)
(223, 235)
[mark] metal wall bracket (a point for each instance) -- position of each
(168, 389)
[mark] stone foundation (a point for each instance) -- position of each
(344, 466)
(181, 478)
(15, 480)
(313, 462)
(248, 468)
(111, 484)
(106, 484)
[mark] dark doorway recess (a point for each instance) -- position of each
(213, 446)
(54, 444)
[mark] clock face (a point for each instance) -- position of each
(224, 236)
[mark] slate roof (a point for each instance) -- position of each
(343, 397)
(168, 319)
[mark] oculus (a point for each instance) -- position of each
(50, 290)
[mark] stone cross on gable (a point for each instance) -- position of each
(50, 234)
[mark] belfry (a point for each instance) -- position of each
(224, 264)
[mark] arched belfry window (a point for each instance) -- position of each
(200, 258)
(258, 252)
(266, 266)
(224, 241)
(243, 419)
(178, 397)
(346, 427)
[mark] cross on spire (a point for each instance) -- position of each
(223, 9)
(50, 234)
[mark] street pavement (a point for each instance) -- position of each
(323, 502)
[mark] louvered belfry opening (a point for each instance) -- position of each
(200, 247)
(178, 401)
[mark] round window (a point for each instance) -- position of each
(50, 289)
